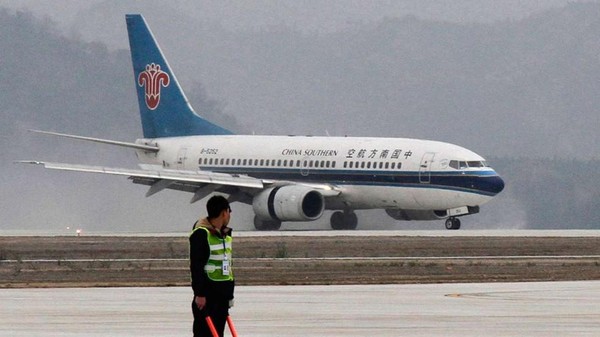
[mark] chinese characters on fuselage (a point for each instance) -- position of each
(377, 153)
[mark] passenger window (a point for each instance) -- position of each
(399, 166)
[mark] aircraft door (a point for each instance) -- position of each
(425, 168)
(181, 158)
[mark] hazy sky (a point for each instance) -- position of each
(306, 15)
(103, 21)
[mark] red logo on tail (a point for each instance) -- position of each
(152, 79)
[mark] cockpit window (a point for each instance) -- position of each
(460, 165)
(476, 164)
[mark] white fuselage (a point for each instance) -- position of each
(391, 173)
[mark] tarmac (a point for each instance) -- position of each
(473, 309)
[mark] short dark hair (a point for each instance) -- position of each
(216, 205)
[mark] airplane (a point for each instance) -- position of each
(288, 178)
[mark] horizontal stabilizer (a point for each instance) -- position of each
(150, 148)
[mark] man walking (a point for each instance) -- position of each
(210, 265)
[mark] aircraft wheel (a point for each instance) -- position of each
(343, 220)
(337, 220)
(452, 224)
(351, 220)
(266, 225)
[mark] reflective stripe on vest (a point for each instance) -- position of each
(218, 250)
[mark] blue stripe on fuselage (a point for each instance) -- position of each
(480, 182)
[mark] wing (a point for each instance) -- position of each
(201, 183)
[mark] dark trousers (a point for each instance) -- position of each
(217, 309)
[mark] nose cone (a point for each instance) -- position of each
(495, 184)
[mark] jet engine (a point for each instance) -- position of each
(289, 203)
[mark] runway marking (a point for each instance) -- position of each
(368, 258)
(520, 257)
(505, 295)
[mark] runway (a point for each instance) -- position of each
(490, 309)
(333, 233)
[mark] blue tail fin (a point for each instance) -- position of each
(164, 109)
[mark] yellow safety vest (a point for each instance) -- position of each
(218, 268)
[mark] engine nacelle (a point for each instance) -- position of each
(413, 214)
(289, 203)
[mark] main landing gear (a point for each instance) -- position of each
(339, 221)
(343, 220)
(452, 223)
(266, 225)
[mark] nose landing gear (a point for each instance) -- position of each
(452, 223)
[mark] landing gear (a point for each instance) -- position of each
(266, 225)
(452, 223)
(343, 220)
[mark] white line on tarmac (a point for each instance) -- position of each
(349, 258)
